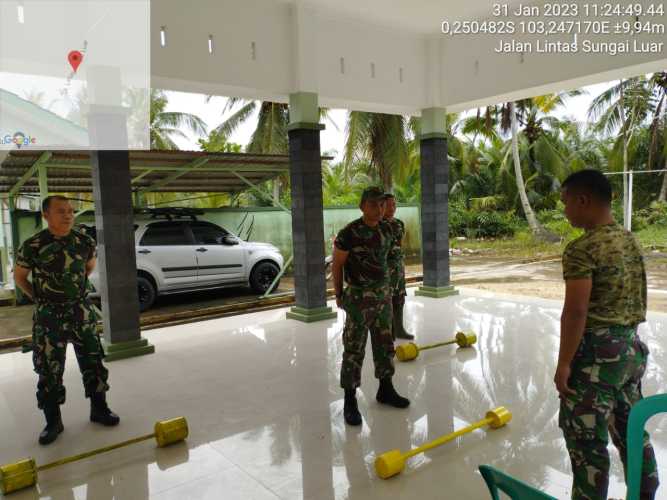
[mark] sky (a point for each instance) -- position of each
(333, 136)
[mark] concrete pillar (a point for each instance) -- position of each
(114, 216)
(434, 205)
(307, 210)
(116, 261)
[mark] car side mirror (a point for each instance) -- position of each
(229, 240)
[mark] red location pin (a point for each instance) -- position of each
(75, 57)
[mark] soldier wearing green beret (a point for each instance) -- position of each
(602, 359)
(361, 250)
(60, 260)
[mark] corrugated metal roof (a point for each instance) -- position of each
(152, 171)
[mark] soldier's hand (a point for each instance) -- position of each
(560, 379)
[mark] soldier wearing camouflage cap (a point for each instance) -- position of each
(360, 259)
(396, 269)
(602, 359)
(60, 260)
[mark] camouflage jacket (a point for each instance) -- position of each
(395, 257)
(611, 257)
(58, 265)
(368, 247)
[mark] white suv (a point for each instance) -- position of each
(185, 254)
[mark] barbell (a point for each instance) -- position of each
(23, 474)
(392, 462)
(410, 350)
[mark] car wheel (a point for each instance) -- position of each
(263, 275)
(147, 293)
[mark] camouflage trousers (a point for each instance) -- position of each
(366, 310)
(54, 325)
(606, 376)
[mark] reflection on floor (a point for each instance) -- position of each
(265, 411)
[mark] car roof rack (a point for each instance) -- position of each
(171, 213)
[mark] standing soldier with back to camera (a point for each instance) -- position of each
(360, 259)
(396, 269)
(60, 260)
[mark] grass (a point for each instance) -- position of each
(522, 246)
(653, 238)
(525, 246)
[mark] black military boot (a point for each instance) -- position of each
(54, 425)
(387, 395)
(100, 412)
(351, 410)
(398, 330)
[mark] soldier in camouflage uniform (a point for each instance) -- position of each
(396, 269)
(60, 260)
(360, 257)
(601, 360)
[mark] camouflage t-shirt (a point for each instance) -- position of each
(395, 256)
(368, 247)
(612, 258)
(58, 264)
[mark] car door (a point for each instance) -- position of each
(167, 247)
(220, 255)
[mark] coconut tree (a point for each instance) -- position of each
(381, 139)
(270, 134)
(164, 125)
(533, 115)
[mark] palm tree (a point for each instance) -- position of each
(625, 107)
(270, 135)
(382, 140)
(534, 224)
(544, 164)
(167, 124)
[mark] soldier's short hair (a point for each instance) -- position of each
(389, 196)
(46, 204)
(591, 182)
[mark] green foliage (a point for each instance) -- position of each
(654, 215)
(556, 222)
(164, 125)
(216, 142)
(481, 224)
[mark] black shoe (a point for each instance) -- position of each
(351, 410)
(100, 412)
(387, 395)
(54, 425)
(398, 330)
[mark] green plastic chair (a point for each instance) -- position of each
(639, 415)
(517, 490)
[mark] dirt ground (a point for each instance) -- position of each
(542, 279)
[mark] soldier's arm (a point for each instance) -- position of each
(572, 326)
(21, 280)
(339, 258)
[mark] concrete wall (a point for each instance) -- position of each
(271, 225)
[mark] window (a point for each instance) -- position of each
(208, 234)
(162, 234)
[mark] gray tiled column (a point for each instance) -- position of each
(434, 218)
(307, 225)
(114, 220)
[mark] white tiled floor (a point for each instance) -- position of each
(262, 399)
